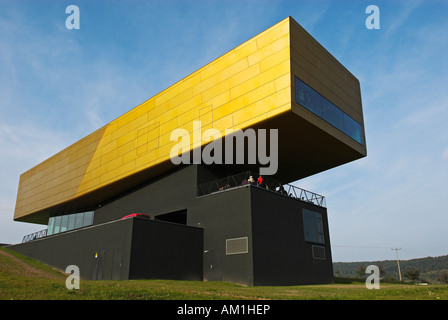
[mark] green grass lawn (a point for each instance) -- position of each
(22, 278)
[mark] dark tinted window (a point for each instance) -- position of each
(332, 114)
(313, 226)
(313, 101)
(353, 129)
(307, 97)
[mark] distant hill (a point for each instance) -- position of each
(430, 268)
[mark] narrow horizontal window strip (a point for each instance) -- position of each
(324, 109)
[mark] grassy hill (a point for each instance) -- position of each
(22, 278)
(430, 269)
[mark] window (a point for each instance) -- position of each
(313, 226)
(50, 226)
(332, 114)
(353, 129)
(324, 109)
(64, 221)
(69, 222)
(57, 224)
(308, 98)
(79, 220)
(88, 218)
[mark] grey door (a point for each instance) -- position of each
(213, 265)
(117, 263)
(98, 262)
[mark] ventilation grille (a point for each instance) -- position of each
(237, 246)
(318, 252)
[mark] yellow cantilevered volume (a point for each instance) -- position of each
(253, 85)
(239, 89)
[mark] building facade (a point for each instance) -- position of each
(207, 221)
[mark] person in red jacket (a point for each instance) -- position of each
(260, 181)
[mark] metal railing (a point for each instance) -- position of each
(35, 235)
(305, 195)
(224, 183)
(269, 183)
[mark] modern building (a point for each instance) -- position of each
(207, 222)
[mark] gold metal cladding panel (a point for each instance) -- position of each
(316, 66)
(51, 181)
(241, 88)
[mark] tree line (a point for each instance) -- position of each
(429, 269)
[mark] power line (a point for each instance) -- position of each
(363, 247)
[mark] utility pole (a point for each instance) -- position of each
(398, 262)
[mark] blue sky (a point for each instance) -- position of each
(59, 85)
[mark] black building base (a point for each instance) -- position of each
(127, 249)
(243, 234)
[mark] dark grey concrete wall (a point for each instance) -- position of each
(281, 254)
(100, 252)
(137, 248)
(224, 215)
(162, 250)
(133, 248)
(173, 192)
(278, 253)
